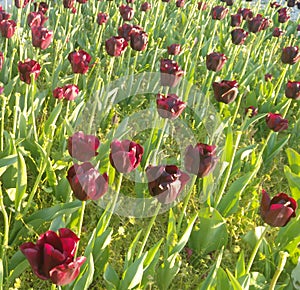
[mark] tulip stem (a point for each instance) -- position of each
(117, 192)
(2, 122)
(162, 133)
(83, 204)
(53, 287)
(280, 267)
(255, 250)
(279, 83)
(6, 225)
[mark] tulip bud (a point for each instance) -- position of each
(292, 90)
(41, 37)
(290, 55)
(276, 123)
(238, 36)
(145, 6)
(1, 60)
(174, 49)
(102, 18)
(215, 61)
(8, 28)
(277, 32)
(225, 91)
(251, 111)
(236, 19)
(126, 12)
(115, 45)
(27, 68)
(219, 12)
(79, 61)
(171, 73)
(169, 106)
(138, 40)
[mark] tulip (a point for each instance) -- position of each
(36, 19)
(180, 3)
(126, 29)
(292, 90)
(129, 1)
(200, 160)
(126, 12)
(251, 111)
(277, 211)
(246, 13)
(125, 155)
(8, 28)
(115, 45)
(68, 3)
(275, 5)
(171, 73)
(24, 3)
(145, 6)
(229, 2)
(41, 7)
(174, 49)
(283, 15)
(167, 1)
(70, 92)
(86, 182)
(219, 12)
(1, 90)
(225, 91)
(138, 40)
(215, 61)
(83, 147)
(291, 3)
(268, 77)
(290, 55)
(276, 123)
(236, 20)
(238, 36)
(202, 5)
(53, 256)
(277, 32)
(258, 23)
(27, 68)
(41, 37)
(165, 182)
(3, 14)
(82, 1)
(1, 60)
(102, 18)
(58, 93)
(79, 61)
(169, 106)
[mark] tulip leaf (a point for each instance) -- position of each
(288, 233)
(294, 160)
(293, 181)
(16, 266)
(228, 147)
(111, 278)
(272, 151)
(49, 125)
(130, 253)
(222, 281)
(171, 233)
(295, 275)
(6, 162)
(1, 274)
(21, 181)
(152, 254)
(240, 268)
(234, 282)
(253, 120)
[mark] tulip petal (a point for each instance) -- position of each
(52, 258)
(278, 215)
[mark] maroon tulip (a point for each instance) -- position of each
(169, 106)
(70, 92)
(27, 68)
(36, 19)
(171, 73)
(138, 40)
(58, 93)
(276, 123)
(115, 45)
(1, 60)
(277, 32)
(251, 111)
(215, 61)
(167, 1)
(229, 2)
(102, 18)
(68, 3)
(129, 1)
(165, 182)
(126, 29)
(7, 28)
(1, 90)
(53, 256)
(246, 13)
(291, 3)
(236, 20)
(290, 54)
(219, 12)
(277, 211)
(201, 159)
(202, 5)
(3, 14)
(258, 23)
(41, 7)
(275, 5)
(86, 182)
(82, 1)
(283, 15)
(79, 61)
(298, 27)
(180, 3)
(126, 12)
(225, 91)
(238, 36)
(292, 90)
(268, 77)
(125, 155)
(174, 49)
(24, 3)
(41, 37)
(145, 6)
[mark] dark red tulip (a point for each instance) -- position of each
(3, 14)
(1, 60)
(298, 27)
(165, 182)
(126, 12)
(36, 19)
(219, 12)
(268, 77)
(169, 106)
(276, 123)
(277, 32)
(126, 29)
(24, 3)
(283, 15)
(167, 1)
(246, 13)
(41, 37)
(53, 256)
(225, 91)
(277, 211)
(275, 5)
(129, 1)
(79, 61)
(58, 93)
(27, 68)
(146, 6)
(1, 90)
(215, 61)
(86, 181)
(41, 7)
(115, 45)
(102, 18)
(291, 3)
(229, 2)
(8, 28)
(238, 36)
(251, 111)
(174, 49)
(171, 73)
(180, 3)
(82, 1)
(70, 92)
(292, 90)
(202, 5)
(68, 3)
(258, 23)
(290, 54)
(125, 155)
(236, 20)
(200, 160)
(138, 40)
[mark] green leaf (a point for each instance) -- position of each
(240, 265)
(6, 162)
(1, 274)
(228, 147)
(111, 278)
(16, 266)
(288, 233)
(21, 181)
(85, 278)
(130, 253)
(234, 282)
(222, 281)
(294, 160)
(293, 181)
(171, 233)
(274, 150)
(152, 253)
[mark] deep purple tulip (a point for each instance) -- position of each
(292, 90)
(291, 3)
(258, 23)
(276, 123)
(146, 6)
(277, 32)
(138, 40)
(53, 256)
(82, 1)
(126, 12)
(102, 18)
(169, 106)
(174, 49)
(27, 68)
(1, 60)
(283, 15)
(83, 147)
(125, 155)
(86, 182)
(200, 160)
(290, 54)
(3, 14)
(165, 182)
(238, 36)
(229, 2)
(215, 61)
(68, 92)
(24, 3)
(68, 3)
(8, 28)
(58, 93)
(236, 19)
(171, 73)
(277, 211)
(219, 12)
(36, 19)
(202, 5)
(41, 7)
(268, 77)
(180, 3)
(251, 111)
(115, 45)
(246, 13)
(126, 29)
(275, 5)
(41, 37)
(225, 91)
(79, 61)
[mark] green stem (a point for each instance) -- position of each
(162, 133)
(32, 107)
(6, 225)
(237, 107)
(255, 250)
(83, 204)
(279, 83)
(53, 287)
(2, 122)
(280, 267)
